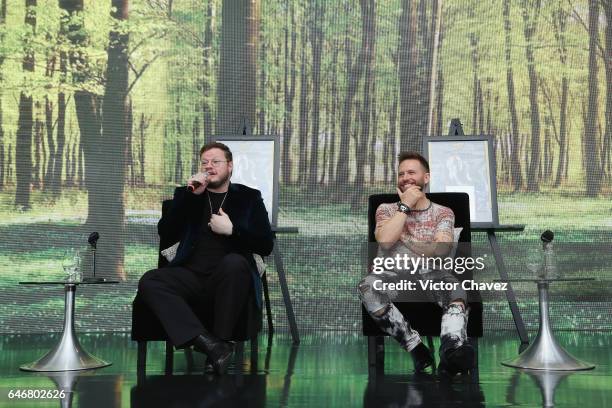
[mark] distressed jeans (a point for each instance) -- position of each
(379, 304)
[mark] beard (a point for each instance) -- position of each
(420, 184)
(218, 183)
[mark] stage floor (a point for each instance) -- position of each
(325, 370)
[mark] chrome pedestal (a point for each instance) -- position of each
(545, 353)
(67, 354)
(548, 381)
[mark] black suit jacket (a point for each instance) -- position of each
(244, 206)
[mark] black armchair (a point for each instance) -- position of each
(425, 317)
(146, 327)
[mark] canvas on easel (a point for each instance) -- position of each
(465, 164)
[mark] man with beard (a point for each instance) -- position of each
(220, 225)
(417, 227)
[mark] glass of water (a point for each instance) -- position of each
(72, 265)
(534, 260)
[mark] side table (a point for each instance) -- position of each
(544, 353)
(67, 354)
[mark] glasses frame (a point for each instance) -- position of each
(215, 163)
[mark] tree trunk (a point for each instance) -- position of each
(237, 88)
(591, 139)
(48, 177)
(562, 164)
(303, 114)
(515, 133)
(289, 91)
(354, 71)
(107, 203)
(23, 145)
(38, 166)
(207, 56)
(530, 24)
(477, 113)
(87, 107)
(2, 162)
(374, 138)
(560, 24)
(178, 164)
(334, 110)
(607, 142)
(410, 136)
(481, 115)
(129, 145)
(392, 155)
(368, 18)
(530, 16)
(262, 88)
(9, 163)
(48, 182)
(316, 39)
(144, 124)
(195, 145)
(436, 26)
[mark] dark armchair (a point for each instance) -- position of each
(425, 317)
(146, 327)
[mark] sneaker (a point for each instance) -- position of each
(456, 356)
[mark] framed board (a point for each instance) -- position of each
(256, 164)
(465, 164)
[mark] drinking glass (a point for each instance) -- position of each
(72, 265)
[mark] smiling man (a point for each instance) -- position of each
(220, 225)
(417, 227)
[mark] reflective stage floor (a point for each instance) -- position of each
(325, 370)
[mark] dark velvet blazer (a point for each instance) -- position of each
(244, 206)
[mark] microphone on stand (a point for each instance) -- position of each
(93, 239)
(93, 242)
(549, 262)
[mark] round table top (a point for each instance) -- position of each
(61, 282)
(544, 280)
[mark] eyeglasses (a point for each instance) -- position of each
(215, 163)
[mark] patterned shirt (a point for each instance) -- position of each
(420, 226)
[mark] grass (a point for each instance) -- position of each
(323, 261)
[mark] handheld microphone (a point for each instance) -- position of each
(196, 184)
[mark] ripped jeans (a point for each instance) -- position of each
(379, 304)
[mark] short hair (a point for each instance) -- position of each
(218, 145)
(412, 155)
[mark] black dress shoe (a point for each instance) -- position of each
(219, 352)
(422, 358)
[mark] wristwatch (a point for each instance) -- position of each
(403, 207)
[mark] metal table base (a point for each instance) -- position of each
(68, 354)
(544, 353)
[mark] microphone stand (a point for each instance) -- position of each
(94, 279)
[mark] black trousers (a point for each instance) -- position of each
(173, 293)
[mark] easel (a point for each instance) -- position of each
(503, 274)
(282, 280)
(456, 129)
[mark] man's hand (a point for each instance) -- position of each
(411, 196)
(221, 223)
(200, 180)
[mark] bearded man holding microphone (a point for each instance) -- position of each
(219, 225)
